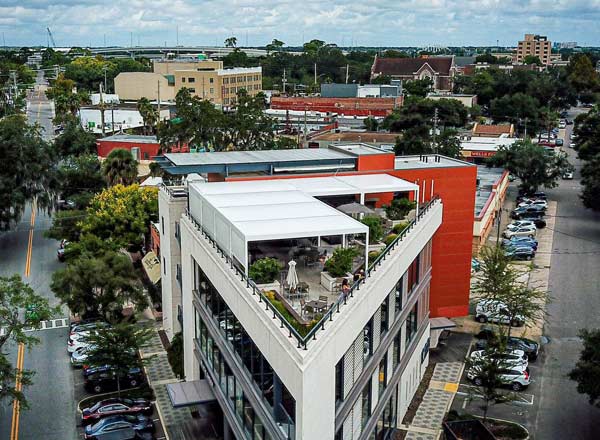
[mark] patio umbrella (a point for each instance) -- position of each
(355, 208)
(292, 276)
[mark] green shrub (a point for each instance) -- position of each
(302, 330)
(175, 354)
(398, 209)
(389, 239)
(373, 255)
(340, 262)
(375, 228)
(265, 270)
(400, 227)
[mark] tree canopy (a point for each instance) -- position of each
(120, 167)
(533, 164)
(99, 286)
(587, 370)
(29, 168)
(121, 214)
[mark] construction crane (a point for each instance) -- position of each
(50, 38)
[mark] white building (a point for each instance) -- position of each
(123, 117)
(350, 376)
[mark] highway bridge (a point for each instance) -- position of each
(159, 52)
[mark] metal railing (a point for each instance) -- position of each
(302, 341)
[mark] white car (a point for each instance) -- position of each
(75, 344)
(496, 311)
(572, 144)
(529, 202)
(509, 358)
(521, 231)
(562, 124)
(517, 377)
(520, 224)
(568, 175)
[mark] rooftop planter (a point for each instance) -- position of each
(399, 209)
(339, 265)
(265, 270)
(301, 325)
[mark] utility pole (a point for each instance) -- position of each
(347, 72)
(284, 80)
(105, 68)
(499, 220)
(315, 74)
(112, 113)
(158, 98)
(304, 144)
(102, 111)
(435, 123)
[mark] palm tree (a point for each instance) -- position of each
(148, 113)
(120, 167)
(231, 42)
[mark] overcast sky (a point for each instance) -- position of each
(257, 22)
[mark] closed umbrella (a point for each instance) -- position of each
(355, 208)
(292, 276)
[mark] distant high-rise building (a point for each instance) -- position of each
(535, 45)
(565, 45)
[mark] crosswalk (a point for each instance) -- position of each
(51, 324)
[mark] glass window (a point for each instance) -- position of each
(397, 350)
(413, 274)
(339, 381)
(411, 323)
(192, 90)
(368, 341)
(191, 80)
(384, 315)
(211, 80)
(398, 294)
(183, 79)
(366, 403)
(382, 377)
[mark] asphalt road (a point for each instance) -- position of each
(52, 397)
(574, 279)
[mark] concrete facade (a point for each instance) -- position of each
(169, 67)
(534, 45)
(132, 86)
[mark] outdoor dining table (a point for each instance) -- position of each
(316, 305)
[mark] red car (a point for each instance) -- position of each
(113, 407)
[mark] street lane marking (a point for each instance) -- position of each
(30, 242)
(14, 429)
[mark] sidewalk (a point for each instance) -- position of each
(427, 423)
(159, 374)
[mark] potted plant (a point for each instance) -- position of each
(265, 270)
(375, 232)
(398, 210)
(339, 265)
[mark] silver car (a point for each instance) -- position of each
(516, 377)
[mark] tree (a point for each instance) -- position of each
(587, 130)
(65, 225)
(587, 370)
(486, 58)
(391, 53)
(28, 171)
(120, 168)
(148, 113)
(590, 180)
(99, 286)
(231, 42)
(375, 227)
(418, 87)
(581, 73)
(20, 308)
(74, 140)
(175, 355)
(415, 140)
(122, 214)
(531, 163)
(448, 143)
(532, 59)
(79, 178)
(486, 371)
(118, 347)
(275, 45)
(371, 124)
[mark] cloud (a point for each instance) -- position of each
(373, 23)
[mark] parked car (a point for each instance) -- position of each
(520, 224)
(106, 380)
(487, 335)
(509, 358)
(65, 204)
(572, 136)
(533, 202)
(115, 406)
(573, 145)
(111, 424)
(562, 124)
(568, 175)
(517, 377)
(495, 311)
(79, 357)
(520, 241)
(534, 195)
(528, 211)
(538, 222)
(520, 252)
(475, 265)
(525, 231)
(559, 142)
(569, 121)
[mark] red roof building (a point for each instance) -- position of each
(342, 106)
(440, 70)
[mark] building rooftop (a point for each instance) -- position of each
(493, 129)
(486, 143)
(130, 138)
(409, 66)
(486, 178)
(357, 136)
(428, 161)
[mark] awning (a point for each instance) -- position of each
(151, 266)
(441, 323)
(190, 393)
